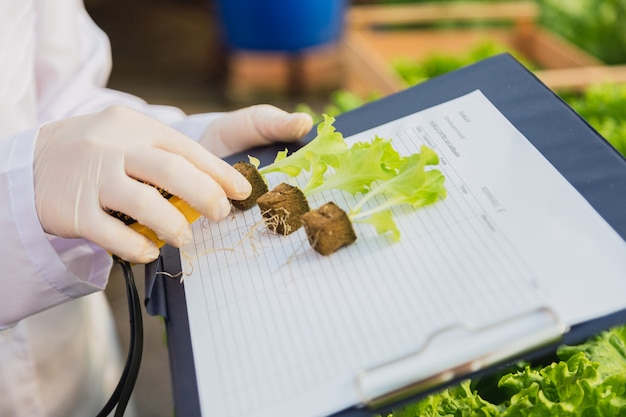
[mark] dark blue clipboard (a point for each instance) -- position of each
(575, 149)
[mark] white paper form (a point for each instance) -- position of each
(279, 330)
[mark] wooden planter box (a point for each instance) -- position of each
(375, 38)
(254, 76)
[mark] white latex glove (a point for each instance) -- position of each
(88, 163)
(252, 126)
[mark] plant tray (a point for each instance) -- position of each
(376, 35)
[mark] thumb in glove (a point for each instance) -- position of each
(252, 126)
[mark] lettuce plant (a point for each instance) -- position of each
(324, 150)
(361, 165)
(587, 380)
(412, 184)
(371, 169)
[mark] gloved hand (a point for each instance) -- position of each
(85, 164)
(252, 126)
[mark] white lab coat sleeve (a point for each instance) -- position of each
(39, 270)
(71, 67)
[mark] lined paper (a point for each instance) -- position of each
(279, 330)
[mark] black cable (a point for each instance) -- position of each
(121, 395)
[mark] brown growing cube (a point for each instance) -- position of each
(328, 228)
(259, 187)
(282, 208)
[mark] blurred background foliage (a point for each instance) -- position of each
(596, 26)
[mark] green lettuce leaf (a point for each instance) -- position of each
(588, 380)
(324, 150)
(607, 348)
(358, 168)
(411, 185)
(383, 222)
(459, 401)
(574, 387)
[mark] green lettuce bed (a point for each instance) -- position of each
(588, 380)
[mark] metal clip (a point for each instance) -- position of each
(446, 355)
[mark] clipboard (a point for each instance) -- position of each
(583, 157)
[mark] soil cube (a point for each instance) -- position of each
(282, 208)
(259, 187)
(328, 228)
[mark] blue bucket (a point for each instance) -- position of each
(280, 25)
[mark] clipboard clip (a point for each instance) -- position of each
(457, 350)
